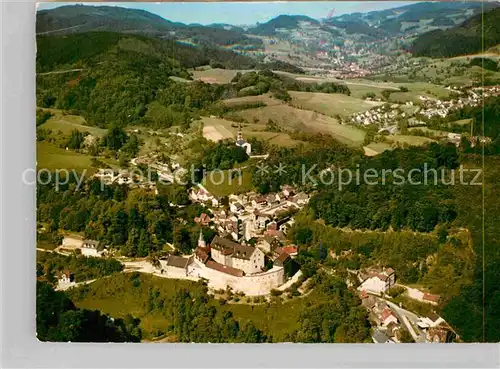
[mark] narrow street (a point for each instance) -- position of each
(405, 317)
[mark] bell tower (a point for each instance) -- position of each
(201, 240)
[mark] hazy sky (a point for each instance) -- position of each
(246, 13)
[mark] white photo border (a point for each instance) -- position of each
(20, 348)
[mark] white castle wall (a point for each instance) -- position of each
(251, 285)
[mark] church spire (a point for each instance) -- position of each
(240, 134)
(201, 240)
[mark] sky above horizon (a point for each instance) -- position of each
(244, 13)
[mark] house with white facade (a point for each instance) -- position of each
(92, 248)
(65, 280)
(377, 281)
(249, 259)
(176, 266)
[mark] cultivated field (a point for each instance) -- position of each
(291, 118)
(215, 75)
(376, 148)
(216, 129)
(330, 104)
(223, 183)
(266, 99)
(409, 140)
(52, 158)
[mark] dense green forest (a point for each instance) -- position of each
(57, 319)
(114, 79)
(49, 265)
(258, 83)
(137, 223)
(394, 201)
(322, 151)
(475, 311)
(466, 38)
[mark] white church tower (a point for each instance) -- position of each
(240, 142)
(201, 240)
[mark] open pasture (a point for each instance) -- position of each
(67, 123)
(330, 104)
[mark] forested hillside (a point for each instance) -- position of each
(57, 319)
(283, 21)
(118, 75)
(83, 18)
(464, 39)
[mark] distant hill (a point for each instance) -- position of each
(283, 22)
(408, 19)
(85, 18)
(460, 40)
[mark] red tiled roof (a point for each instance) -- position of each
(290, 250)
(283, 257)
(386, 313)
(202, 253)
(224, 269)
(430, 297)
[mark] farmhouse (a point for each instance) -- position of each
(176, 266)
(377, 281)
(92, 248)
(65, 280)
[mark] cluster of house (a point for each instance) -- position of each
(130, 178)
(376, 282)
(250, 215)
(436, 329)
(472, 97)
(388, 327)
(384, 115)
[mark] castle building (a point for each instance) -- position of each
(246, 258)
(240, 142)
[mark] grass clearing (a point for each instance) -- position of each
(224, 183)
(66, 123)
(216, 75)
(291, 118)
(331, 104)
(409, 140)
(266, 99)
(51, 157)
(376, 148)
(217, 129)
(117, 295)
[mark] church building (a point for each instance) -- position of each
(240, 142)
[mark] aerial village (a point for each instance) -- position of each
(251, 256)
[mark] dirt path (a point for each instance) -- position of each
(57, 30)
(61, 71)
